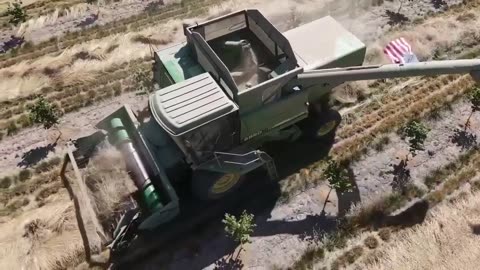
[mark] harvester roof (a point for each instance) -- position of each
(189, 104)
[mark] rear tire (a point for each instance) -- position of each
(208, 185)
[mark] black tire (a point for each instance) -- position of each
(322, 126)
(204, 184)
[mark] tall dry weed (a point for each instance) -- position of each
(109, 183)
(42, 238)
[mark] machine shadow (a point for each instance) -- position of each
(413, 215)
(259, 196)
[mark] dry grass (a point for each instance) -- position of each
(447, 240)
(42, 238)
(30, 76)
(45, 234)
(109, 184)
(433, 35)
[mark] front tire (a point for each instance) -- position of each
(208, 185)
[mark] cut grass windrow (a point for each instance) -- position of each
(73, 98)
(40, 8)
(26, 182)
(185, 9)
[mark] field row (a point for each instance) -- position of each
(351, 148)
(138, 22)
(392, 103)
(72, 98)
(113, 73)
(40, 8)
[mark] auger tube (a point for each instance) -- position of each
(332, 76)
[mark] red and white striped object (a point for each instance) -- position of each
(397, 49)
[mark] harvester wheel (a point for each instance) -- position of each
(208, 185)
(322, 126)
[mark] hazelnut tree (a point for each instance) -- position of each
(16, 12)
(239, 228)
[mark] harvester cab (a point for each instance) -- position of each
(236, 83)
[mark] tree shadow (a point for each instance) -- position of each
(88, 21)
(229, 263)
(463, 139)
(12, 43)
(475, 228)
(348, 199)
(410, 217)
(401, 176)
(35, 155)
(395, 18)
(438, 3)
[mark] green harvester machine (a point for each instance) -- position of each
(236, 83)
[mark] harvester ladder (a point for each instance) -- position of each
(269, 164)
(237, 159)
(248, 159)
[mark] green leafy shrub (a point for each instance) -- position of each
(474, 98)
(42, 112)
(16, 12)
(337, 177)
(239, 229)
(416, 133)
